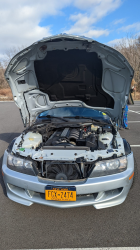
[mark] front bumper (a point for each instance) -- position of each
(101, 192)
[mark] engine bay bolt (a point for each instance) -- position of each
(75, 154)
(51, 153)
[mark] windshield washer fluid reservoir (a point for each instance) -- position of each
(106, 138)
(32, 140)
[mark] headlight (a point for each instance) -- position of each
(21, 165)
(109, 167)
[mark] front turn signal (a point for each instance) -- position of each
(131, 176)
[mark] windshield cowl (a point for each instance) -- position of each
(74, 112)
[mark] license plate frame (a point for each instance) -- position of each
(60, 193)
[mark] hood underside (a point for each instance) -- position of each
(67, 70)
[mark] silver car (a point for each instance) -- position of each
(71, 92)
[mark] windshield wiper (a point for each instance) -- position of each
(82, 117)
(90, 118)
(51, 116)
(77, 117)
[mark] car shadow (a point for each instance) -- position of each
(1, 178)
(8, 137)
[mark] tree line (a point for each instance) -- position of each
(128, 46)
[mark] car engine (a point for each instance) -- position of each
(69, 152)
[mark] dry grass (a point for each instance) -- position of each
(137, 96)
(6, 94)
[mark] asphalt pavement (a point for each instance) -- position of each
(41, 227)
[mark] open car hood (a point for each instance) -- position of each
(67, 70)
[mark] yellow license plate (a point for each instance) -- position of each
(60, 193)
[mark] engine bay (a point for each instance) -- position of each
(68, 152)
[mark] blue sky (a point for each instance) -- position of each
(125, 19)
(26, 21)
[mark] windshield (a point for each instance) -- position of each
(75, 111)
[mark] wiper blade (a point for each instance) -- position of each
(78, 117)
(90, 118)
(82, 117)
(60, 118)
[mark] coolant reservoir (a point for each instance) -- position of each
(106, 138)
(32, 140)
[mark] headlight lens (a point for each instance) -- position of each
(109, 167)
(20, 165)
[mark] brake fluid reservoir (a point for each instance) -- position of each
(32, 140)
(106, 138)
(94, 128)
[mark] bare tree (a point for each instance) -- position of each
(8, 55)
(130, 48)
(3, 82)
